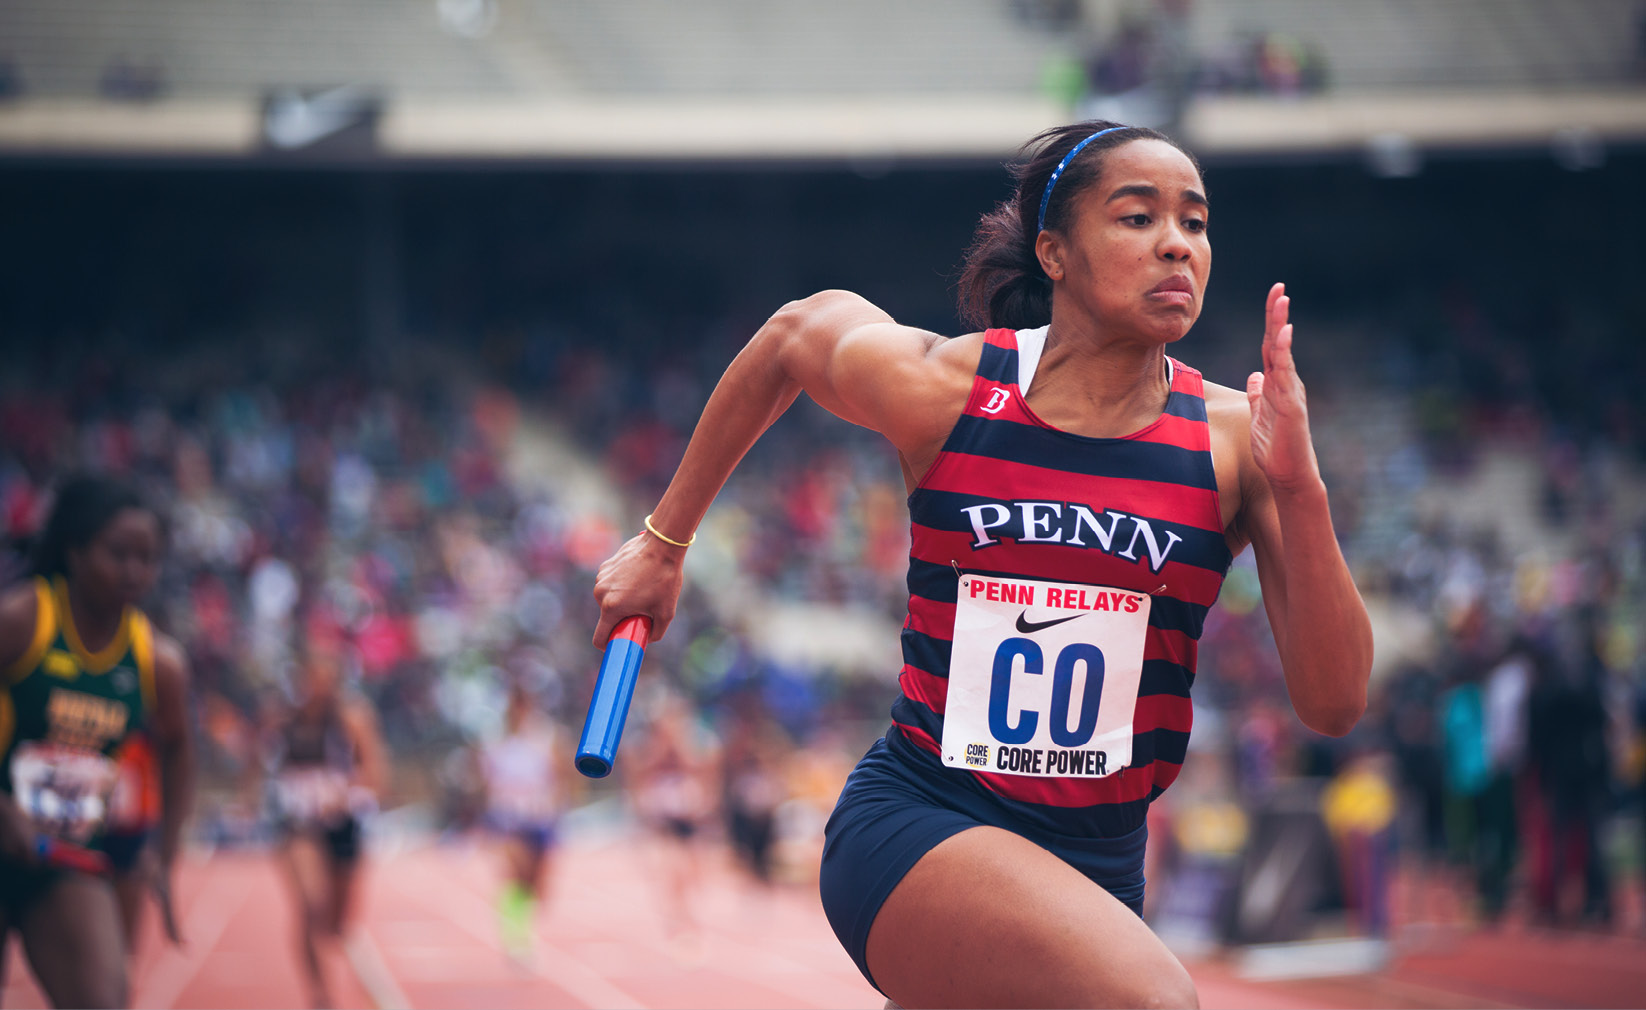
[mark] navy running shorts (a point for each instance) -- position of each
(124, 848)
(895, 809)
(537, 835)
(340, 838)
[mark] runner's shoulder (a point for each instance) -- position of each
(18, 601)
(1227, 407)
(954, 359)
(171, 662)
(357, 710)
(19, 610)
(962, 351)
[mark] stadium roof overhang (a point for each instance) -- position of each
(705, 128)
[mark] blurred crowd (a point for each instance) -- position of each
(1144, 68)
(322, 503)
(1490, 501)
(384, 511)
(386, 495)
(317, 507)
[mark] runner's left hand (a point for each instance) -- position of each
(1281, 446)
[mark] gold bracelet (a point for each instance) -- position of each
(653, 531)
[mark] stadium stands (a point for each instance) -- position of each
(730, 78)
(240, 47)
(1459, 43)
(777, 47)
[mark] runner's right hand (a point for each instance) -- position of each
(16, 834)
(643, 578)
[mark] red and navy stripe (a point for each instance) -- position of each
(1001, 453)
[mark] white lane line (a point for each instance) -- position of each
(203, 925)
(1435, 995)
(776, 972)
(552, 965)
(373, 972)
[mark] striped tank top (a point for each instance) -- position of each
(1010, 496)
(73, 752)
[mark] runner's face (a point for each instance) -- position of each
(1137, 257)
(118, 567)
(320, 677)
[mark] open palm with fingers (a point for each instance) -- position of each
(1281, 445)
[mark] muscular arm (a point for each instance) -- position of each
(371, 770)
(17, 616)
(851, 358)
(1319, 620)
(173, 746)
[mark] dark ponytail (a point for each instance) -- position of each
(1002, 283)
(84, 504)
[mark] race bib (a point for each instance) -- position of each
(522, 804)
(63, 790)
(1043, 678)
(312, 795)
(127, 810)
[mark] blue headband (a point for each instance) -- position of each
(1057, 172)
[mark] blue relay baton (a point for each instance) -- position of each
(613, 690)
(55, 852)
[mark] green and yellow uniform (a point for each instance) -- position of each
(65, 714)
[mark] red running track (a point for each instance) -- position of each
(427, 938)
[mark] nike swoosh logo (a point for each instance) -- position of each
(1027, 626)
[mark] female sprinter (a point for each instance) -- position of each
(669, 789)
(84, 675)
(1076, 497)
(524, 798)
(326, 764)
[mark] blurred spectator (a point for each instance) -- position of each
(669, 784)
(1123, 63)
(1050, 15)
(1197, 834)
(1496, 816)
(128, 80)
(1463, 733)
(751, 787)
(1412, 730)
(1278, 62)
(1173, 63)
(1636, 777)
(470, 19)
(11, 79)
(1567, 750)
(1148, 70)
(1359, 809)
(1640, 43)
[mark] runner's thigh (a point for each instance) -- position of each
(306, 868)
(129, 891)
(990, 919)
(74, 942)
(342, 877)
(5, 937)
